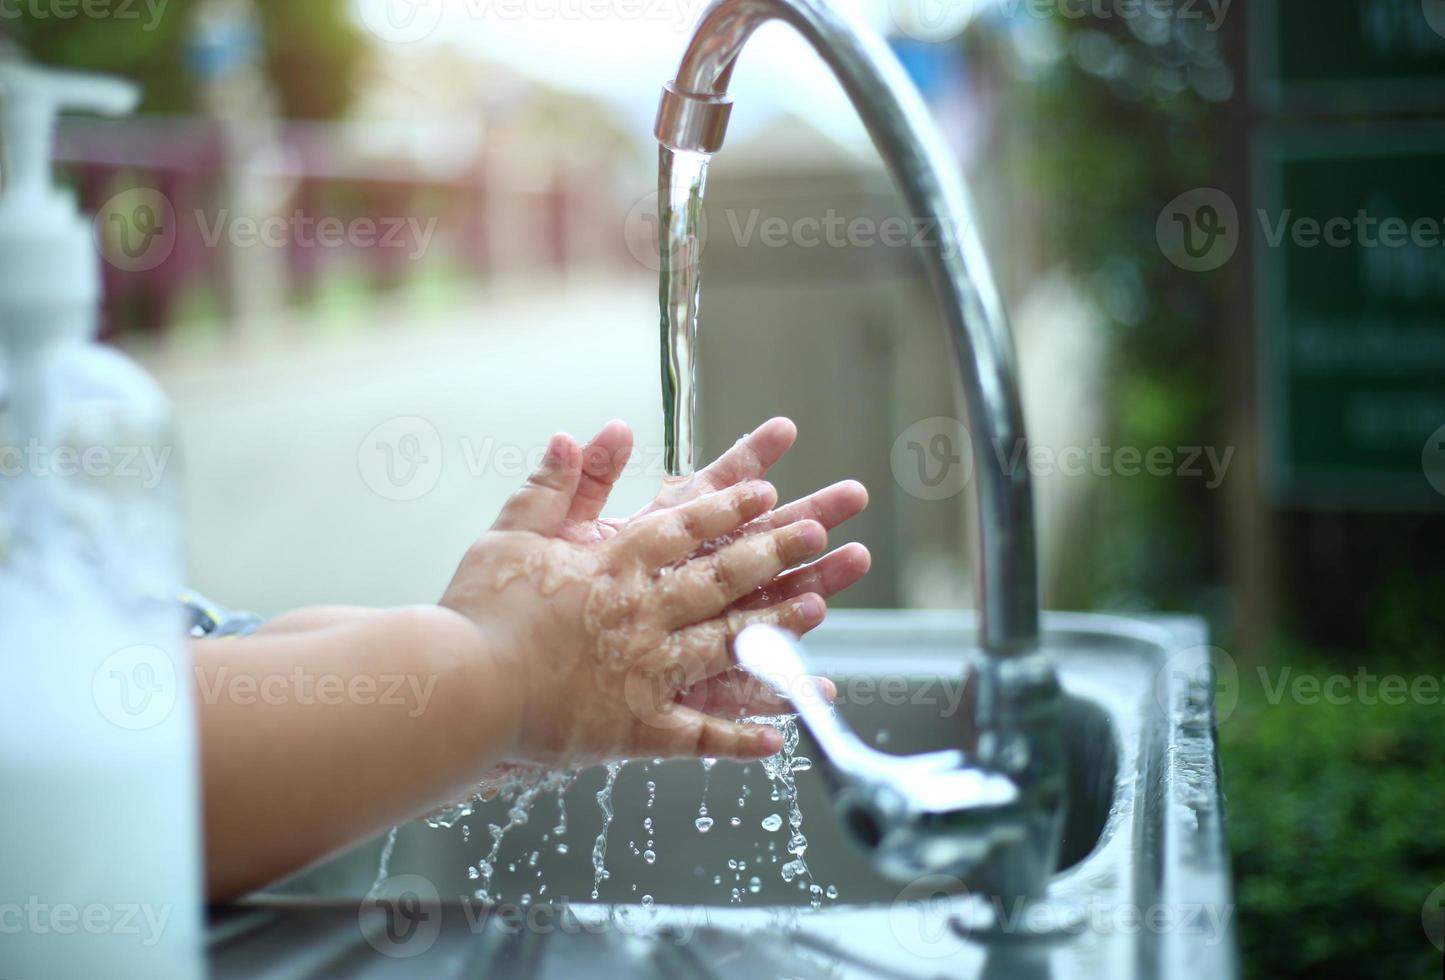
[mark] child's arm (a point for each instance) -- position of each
(316, 739)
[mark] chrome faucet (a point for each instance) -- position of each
(990, 813)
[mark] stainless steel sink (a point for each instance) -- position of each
(1142, 889)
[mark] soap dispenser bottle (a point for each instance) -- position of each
(101, 874)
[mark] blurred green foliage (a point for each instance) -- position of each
(313, 51)
(313, 55)
(1116, 128)
(1335, 827)
(150, 51)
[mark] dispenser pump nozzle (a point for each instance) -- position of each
(32, 98)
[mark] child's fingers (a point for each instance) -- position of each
(603, 460)
(704, 587)
(672, 535)
(827, 576)
(541, 505)
(749, 459)
(699, 735)
(707, 648)
(739, 694)
(830, 507)
(752, 456)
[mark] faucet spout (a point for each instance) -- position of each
(1017, 697)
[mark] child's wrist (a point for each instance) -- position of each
(468, 661)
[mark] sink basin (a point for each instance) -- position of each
(1142, 887)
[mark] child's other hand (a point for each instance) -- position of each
(608, 634)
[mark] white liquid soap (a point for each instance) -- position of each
(100, 853)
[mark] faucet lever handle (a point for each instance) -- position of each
(906, 811)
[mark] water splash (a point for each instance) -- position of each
(517, 816)
(782, 772)
(384, 865)
(704, 821)
(599, 847)
(682, 176)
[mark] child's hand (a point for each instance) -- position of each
(605, 635)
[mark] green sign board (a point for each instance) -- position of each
(1350, 246)
(1348, 55)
